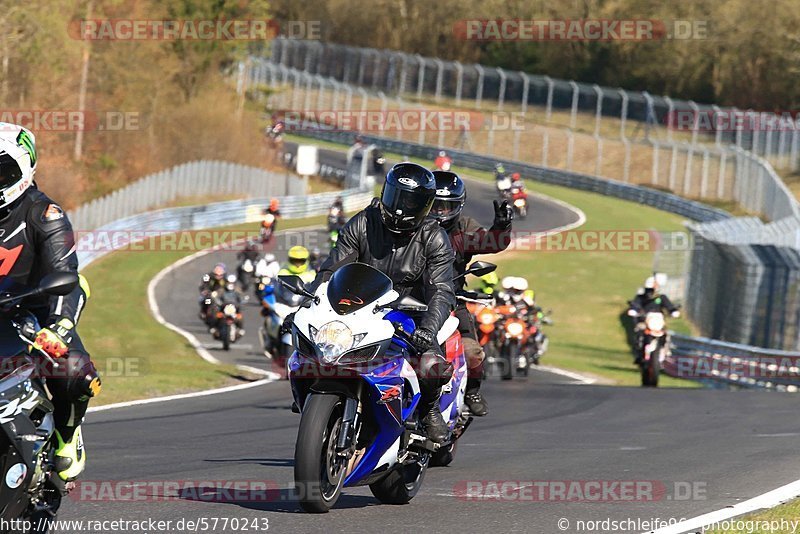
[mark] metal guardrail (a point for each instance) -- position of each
(122, 233)
(714, 361)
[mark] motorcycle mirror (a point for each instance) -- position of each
(410, 304)
(58, 283)
(294, 284)
(480, 268)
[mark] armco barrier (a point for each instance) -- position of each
(132, 229)
(710, 360)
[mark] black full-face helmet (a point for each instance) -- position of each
(407, 197)
(451, 194)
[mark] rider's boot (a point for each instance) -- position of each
(474, 399)
(70, 455)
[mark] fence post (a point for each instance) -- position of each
(573, 115)
(439, 78)
(598, 109)
(501, 94)
(717, 130)
(656, 149)
(479, 89)
(459, 81)
(670, 117)
(421, 76)
(623, 113)
(549, 106)
(526, 87)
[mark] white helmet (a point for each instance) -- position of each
(520, 284)
(17, 162)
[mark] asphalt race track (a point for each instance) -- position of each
(688, 451)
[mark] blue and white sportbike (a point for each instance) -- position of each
(358, 394)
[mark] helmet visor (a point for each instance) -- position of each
(403, 209)
(446, 209)
(10, 173)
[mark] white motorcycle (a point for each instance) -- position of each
(358, 394)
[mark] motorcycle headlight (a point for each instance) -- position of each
(486, 318)
(334, 339)
(229, 309)
(515, 329)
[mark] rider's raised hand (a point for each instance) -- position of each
(503, 214)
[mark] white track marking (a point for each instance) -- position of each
(273, 377)
(766, 500)
(156, 311)
(581, 379)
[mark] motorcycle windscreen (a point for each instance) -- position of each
(356, 285)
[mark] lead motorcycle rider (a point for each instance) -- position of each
(38, 240)
(468, 239)
(395, 236)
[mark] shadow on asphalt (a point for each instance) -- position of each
(276, 500)
(269, 462)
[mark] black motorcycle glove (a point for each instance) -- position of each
(422, 339)
(503, 214)
(288, 323)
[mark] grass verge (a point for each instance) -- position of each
(765, 522)
(137, 357)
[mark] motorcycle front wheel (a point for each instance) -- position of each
(318, 470)
(507, 361)
(226, 340)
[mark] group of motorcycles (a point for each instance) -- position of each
(510, 330)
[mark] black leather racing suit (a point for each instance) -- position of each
(36, 239)
(420, 265)
(469, 239)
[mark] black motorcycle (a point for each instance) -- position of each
(31, 490)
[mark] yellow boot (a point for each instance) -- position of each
(70, 456)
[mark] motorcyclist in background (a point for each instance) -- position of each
(270, 223)
(213, 281)
(488, 283)
(515, 292)
(251, 253)
(649, 299)
(38, 240)
(499, 171)
(468, 239)
(443, 162)
(229, 294)
(394, 235)
(336, 218)
(315, 259)
(299, 264)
